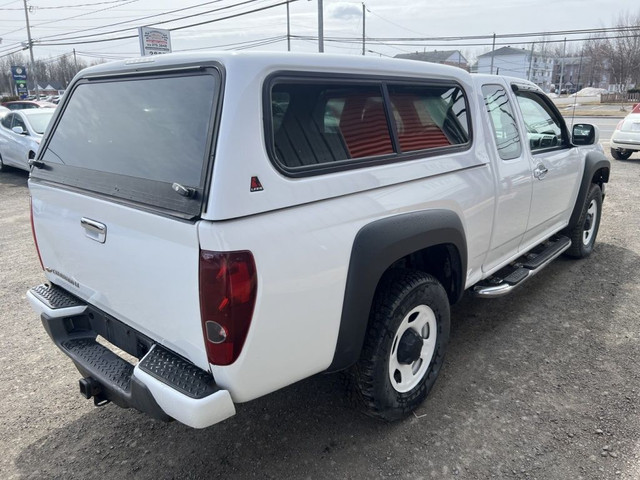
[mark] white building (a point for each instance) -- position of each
(519, 63)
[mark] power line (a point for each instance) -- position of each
(392, 23)
(87, 13)
(132, 20)
(66, 6)
(261, 44)
(417, 43)
(75, 16)
(213, 47)
(11, 47)
(379, 53)
(11, 53)
(236, 46)
(404, 40)
(154, 23)
(206, 22)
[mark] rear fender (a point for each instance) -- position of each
(376, 247)
(596, 170)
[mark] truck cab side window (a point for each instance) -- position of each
(429, 116)
(505, 127)
(544, 128)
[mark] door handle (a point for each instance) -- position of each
(540, 172)
(94, 230)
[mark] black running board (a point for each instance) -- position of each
(507, 279)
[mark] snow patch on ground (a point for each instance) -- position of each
(590, 92)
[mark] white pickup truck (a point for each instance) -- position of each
(216, 226)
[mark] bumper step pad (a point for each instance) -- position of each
(55, 297)
(178, 373)
(100, 362)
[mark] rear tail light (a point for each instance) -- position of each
(228, 287)
(33, 232)
(619, 126)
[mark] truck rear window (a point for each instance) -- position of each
(136, 137)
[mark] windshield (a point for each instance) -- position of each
(40, 120)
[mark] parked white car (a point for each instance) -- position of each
(20, 135)
(626, 137)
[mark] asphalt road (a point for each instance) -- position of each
(541, 384)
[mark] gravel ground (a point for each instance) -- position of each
(541, 384)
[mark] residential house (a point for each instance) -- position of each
(519, 63)
(582, 72)
(445, 57)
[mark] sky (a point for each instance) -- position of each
(54, 21)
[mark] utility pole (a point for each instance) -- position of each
(288, 30)
(492, 50)
(364, 18)
(575, 101)
(75, 59)
(564, 51)
(320, 27)
(533, 46)
(33, 63)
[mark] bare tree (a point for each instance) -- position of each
(58, 71)
(6, 79)
(596, 62)
(623, 50)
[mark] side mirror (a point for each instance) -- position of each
(584, 134)
(19, 131)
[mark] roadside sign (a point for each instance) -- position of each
(154, 41)
(20, 78)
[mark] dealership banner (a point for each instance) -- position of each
(154, 41)
(20, 78)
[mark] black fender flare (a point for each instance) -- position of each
(594, 162)
(375, 248)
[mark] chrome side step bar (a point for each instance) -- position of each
(506, 280)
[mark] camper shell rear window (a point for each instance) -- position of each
(137, 138)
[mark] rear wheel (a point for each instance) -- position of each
(620, 154)
(405, 345)
(583, 235)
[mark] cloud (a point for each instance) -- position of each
(345, 11)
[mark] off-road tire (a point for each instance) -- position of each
(620, 154)
(399, 292)
(581, 248)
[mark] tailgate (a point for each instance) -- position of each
(117, 190)
(144, 274)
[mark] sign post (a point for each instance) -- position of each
(154, 41)
(20, 78)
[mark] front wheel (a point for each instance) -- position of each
(620, 154)
(404, 349)
(583, 235)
